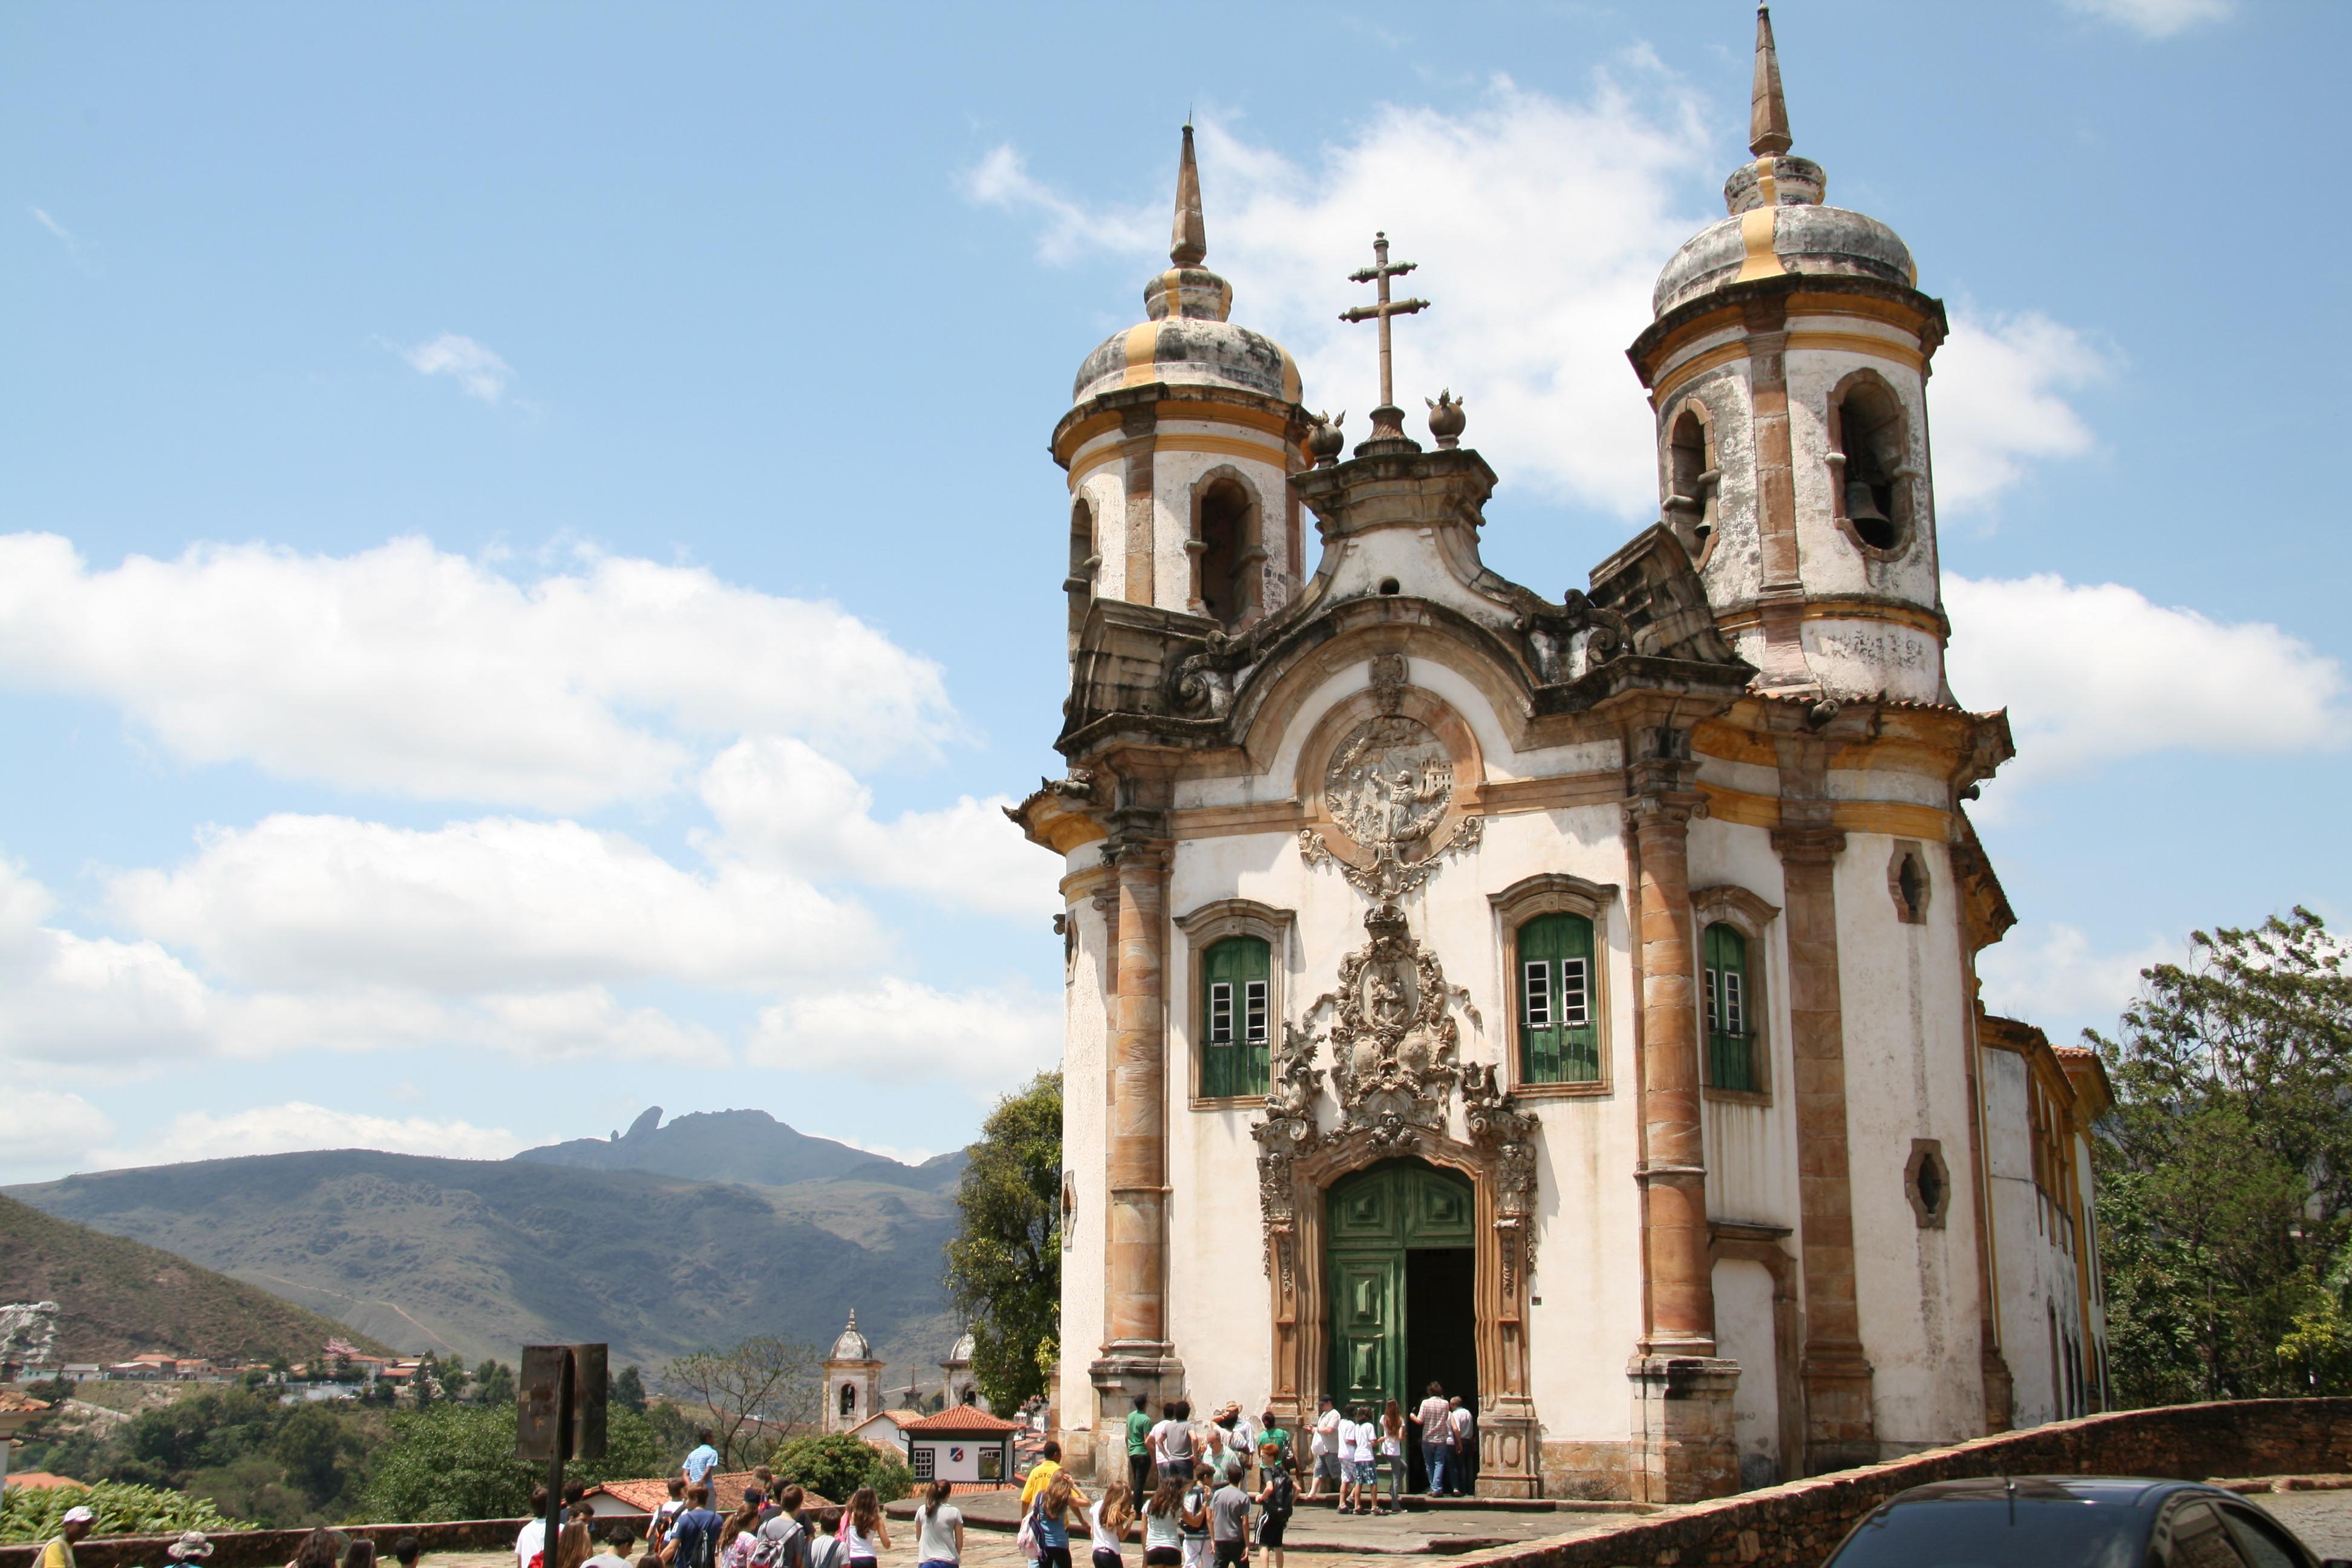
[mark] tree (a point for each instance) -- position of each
(457, 1461)
(837, 1464)
(494, 1383)
(762, 1383)
(2225, 1171)
(628, 1390)
(1004, 1266)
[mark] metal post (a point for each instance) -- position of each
(558, 1456)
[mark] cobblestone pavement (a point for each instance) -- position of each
(2322, 1521)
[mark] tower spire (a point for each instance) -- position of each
(1767, 111)
(1188, 245)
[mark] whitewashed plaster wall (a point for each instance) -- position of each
(1734, 566)
(1906, 1064)
(2036, 1274)
(1743, 1319)
(1177, 473)
(1085, 1151)
(1103, 489)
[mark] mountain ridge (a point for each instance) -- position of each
(117, 1298)
(481, 1257)
(740, 1146)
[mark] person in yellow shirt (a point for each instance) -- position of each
(59, 1552)
(1041, 1475)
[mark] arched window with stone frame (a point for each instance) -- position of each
(1236, 957)
(1692, 478)
(1552, 929)
(1734, 929)
(1873, 483)
(1228, 547)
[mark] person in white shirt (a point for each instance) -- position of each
(1358, 1437)
(1324, 1444)
(1465, 1445)
(533, 1538)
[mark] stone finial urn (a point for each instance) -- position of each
(1446, 419)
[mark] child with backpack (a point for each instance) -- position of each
(1276, 1501)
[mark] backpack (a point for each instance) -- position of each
(775, 1551)
(1282, 1494)
(827, 1551)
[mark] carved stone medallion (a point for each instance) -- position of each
(1389, 782)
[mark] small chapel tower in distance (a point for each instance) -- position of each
(1183, 434)
(1788, 366)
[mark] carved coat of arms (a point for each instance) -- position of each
(1393, 1040)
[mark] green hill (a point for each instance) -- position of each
(117, 1298)
(481, 1257)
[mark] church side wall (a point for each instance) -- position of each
(1905, 1079)
(2038, 1280)
(1751, 1149)
(1085, 1090)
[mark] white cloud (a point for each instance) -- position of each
(2092, 673)
(781, 802)
(2156, 19)
(282, 1129)
(56, 228)
(409, 670)
(897, 1031)
(1066, 230)
(40, 1127)
(1540, 226)
(477, 370)
(1997, 402)
(312, 902)
(2048, 976)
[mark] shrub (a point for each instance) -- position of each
(36, 1513)
(837, 1464)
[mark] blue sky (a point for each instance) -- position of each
(528, 557)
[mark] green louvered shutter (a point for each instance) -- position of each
(1236, 1017)
(1730, 1032)
(1560, 1034)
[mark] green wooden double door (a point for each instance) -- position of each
(1399, 1252)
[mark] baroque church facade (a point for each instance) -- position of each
(1571, 1000)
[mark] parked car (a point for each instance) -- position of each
(2072, 1522)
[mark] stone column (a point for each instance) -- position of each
(1684, 1447)
(1139, 531)
(1136, 1357)
(1136, 1309)
(1781, 596)
(1838, 1428)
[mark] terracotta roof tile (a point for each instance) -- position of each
(727, 1487)
(963, 1419)
(10, 1399)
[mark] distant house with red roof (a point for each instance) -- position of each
(963, 1443)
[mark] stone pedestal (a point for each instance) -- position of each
(1119, 1373)
(1683, 1448)
(1510, 1452)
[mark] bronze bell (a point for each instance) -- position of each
(1862, 507)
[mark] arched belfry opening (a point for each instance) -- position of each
(1086, 561)
(1226, 552)
(1691, 480)
(1872, 464)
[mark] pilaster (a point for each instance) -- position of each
(1684, 1447)
(1840, 1429)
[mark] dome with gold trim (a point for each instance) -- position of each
(1185, 338)
(1778, 224)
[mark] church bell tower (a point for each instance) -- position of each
(1787, 367)
(1182, 435)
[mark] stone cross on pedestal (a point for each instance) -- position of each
(1388, 419)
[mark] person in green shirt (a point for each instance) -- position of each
(1272, 1435)
(1138, 1449)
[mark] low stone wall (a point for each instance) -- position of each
(1796, 1525)
(274, 1548)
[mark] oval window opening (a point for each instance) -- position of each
(1390, 586)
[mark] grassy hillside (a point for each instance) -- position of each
(480, 1256)
(118, 1297)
